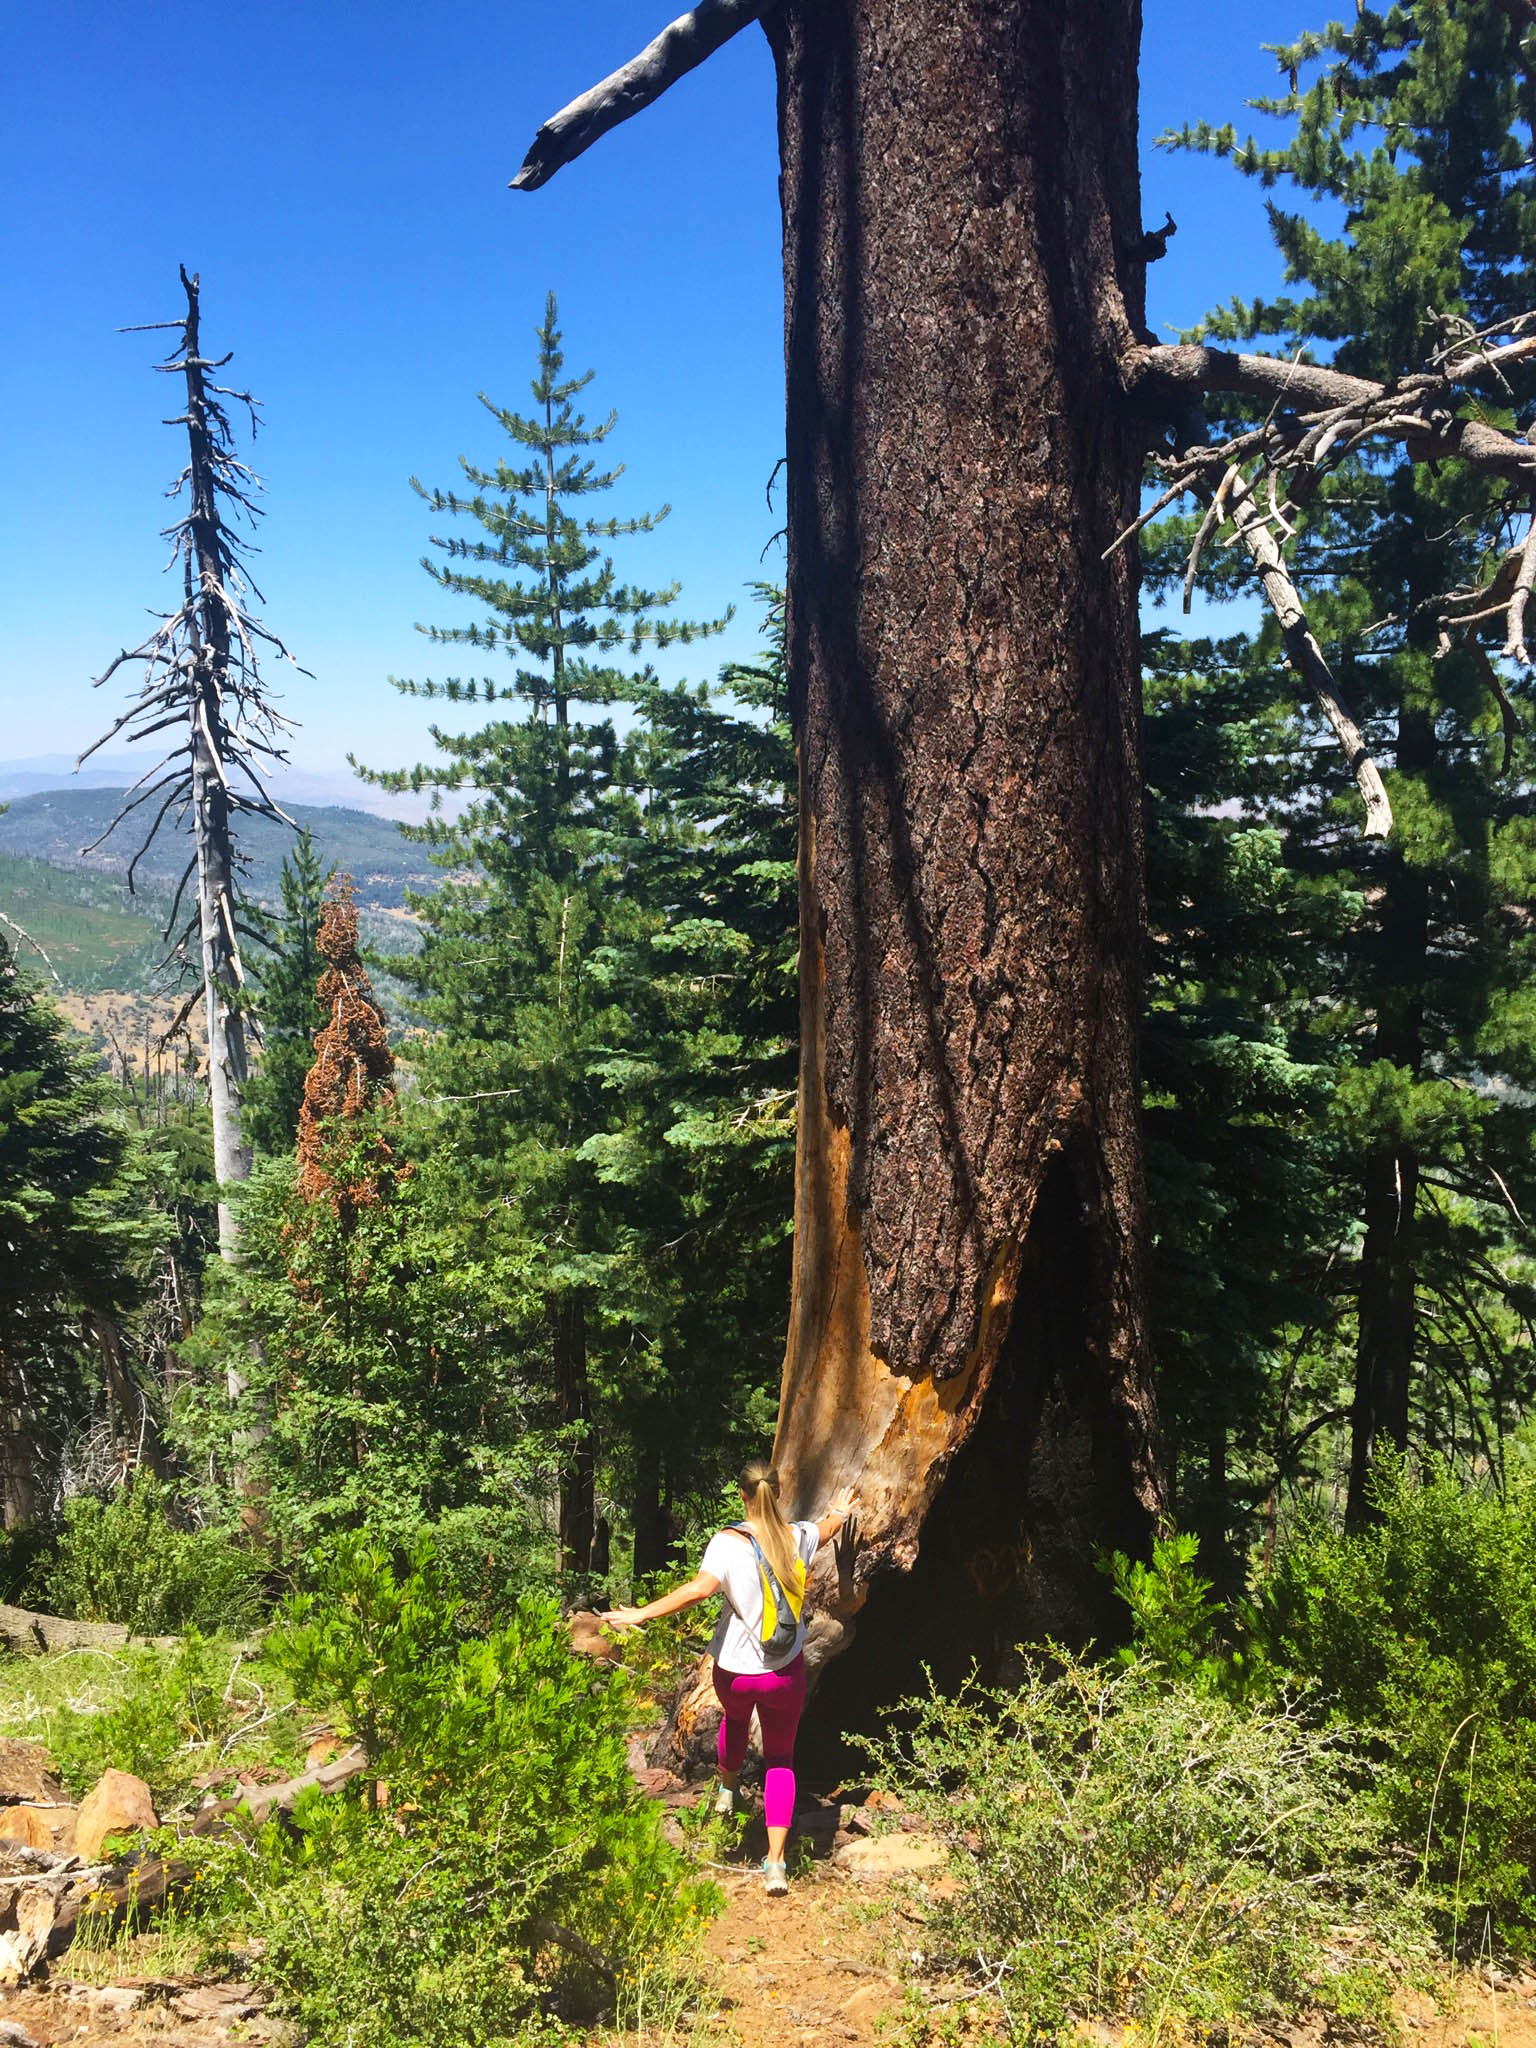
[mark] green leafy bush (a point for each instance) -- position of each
(379, 1644)
(1423, 1626)
(125, 1559)
(1127, 1846)
(514, 1877)
(493, 1557)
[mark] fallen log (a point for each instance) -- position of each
(107, 1898)
(29, 1635)
(44, 1898)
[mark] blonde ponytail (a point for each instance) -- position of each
(760, 1489)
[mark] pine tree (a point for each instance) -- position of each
(696, 1167)
(374, 1306)
(347, 1151)
(74, 1238)
(971, 396)
(517, 970)
(1417, 124)
(285, 996)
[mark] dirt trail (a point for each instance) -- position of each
(809, 1968)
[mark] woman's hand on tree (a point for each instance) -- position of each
(835, 1517)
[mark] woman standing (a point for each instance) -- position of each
(758, 1647)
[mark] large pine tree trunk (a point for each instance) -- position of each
(967, 1340)
(18, 1478)
(1387, 1318)
(649, 1515)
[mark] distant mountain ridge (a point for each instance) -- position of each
(52, 826)
(39, 774)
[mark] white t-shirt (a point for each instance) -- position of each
(738, 1643)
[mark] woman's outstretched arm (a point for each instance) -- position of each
(702, 1586)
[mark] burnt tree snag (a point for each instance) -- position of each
(966, 1337)
(962, 245)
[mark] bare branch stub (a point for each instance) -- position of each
(1255, 481)
(680, 48)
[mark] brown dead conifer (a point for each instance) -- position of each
(351, 1084)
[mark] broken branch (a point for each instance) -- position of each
(1307, 658)
(680, 48)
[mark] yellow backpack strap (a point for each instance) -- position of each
(794, 1596)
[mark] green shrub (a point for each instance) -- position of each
(491, 1558)
(380, 1644)
(1174, 1621)
(126, 1560)
(1423, 1626)
(1127, 1846)
(516, 1874)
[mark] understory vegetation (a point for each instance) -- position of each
(493, 1873)
(1244, 1816)
(1129, 1844)
(502, 1301)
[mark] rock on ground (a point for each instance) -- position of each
(898, 1855)
(118, 1803)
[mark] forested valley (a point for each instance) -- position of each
(418, 1296)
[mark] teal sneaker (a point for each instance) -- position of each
(775, 1880)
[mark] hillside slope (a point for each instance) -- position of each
(54, 824)
(96, 935)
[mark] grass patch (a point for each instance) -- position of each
(205, 1710)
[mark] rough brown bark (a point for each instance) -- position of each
(967, 1336)
(649, 1516)
(1386, 1320)
(578, 1468)
(18, 1490)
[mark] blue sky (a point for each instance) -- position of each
(338, 176)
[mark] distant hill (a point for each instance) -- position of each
(290, 785)
(95, 934)
(52, 825)
(101, 940)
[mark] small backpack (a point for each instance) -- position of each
(782, 1604)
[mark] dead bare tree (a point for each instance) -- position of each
(202, 683)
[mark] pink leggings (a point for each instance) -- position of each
(778, 1697)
